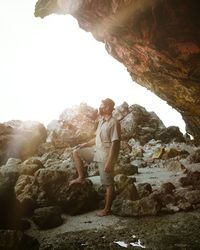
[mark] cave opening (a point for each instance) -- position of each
(54, 59)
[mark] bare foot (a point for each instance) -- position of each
(103, 213)
(77, 181)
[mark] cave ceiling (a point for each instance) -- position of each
(157, 40)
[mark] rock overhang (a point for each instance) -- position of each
(157, 40)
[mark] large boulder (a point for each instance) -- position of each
(150, 205)
(75, 125)
(9, 206)
(166, 135)
(139, 124)
(14, 168)
(49, 187)
(20, 139)
(47, 217)
(195, 156)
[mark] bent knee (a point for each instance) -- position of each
(76, 152)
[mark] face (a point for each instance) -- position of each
(102, 109)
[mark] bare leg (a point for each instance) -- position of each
(108, 201)
(79, 167)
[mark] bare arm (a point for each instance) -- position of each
(87, 144)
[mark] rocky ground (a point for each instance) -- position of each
(157, 185)
(88, 231)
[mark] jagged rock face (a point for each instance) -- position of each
(157, 40)
(75, 125)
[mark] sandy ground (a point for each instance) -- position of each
(156, 176)
(81, 222)
(179, 231)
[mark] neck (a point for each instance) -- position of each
(107, 116)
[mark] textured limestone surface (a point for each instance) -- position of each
(157, 40)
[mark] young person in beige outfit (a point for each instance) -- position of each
(105, 152)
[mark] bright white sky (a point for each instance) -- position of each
(47, 65)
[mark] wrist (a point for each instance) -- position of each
(83, 145)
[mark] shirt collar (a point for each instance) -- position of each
(107, 119)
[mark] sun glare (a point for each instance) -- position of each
(50, 64)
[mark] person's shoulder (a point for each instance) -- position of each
(114, 120)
